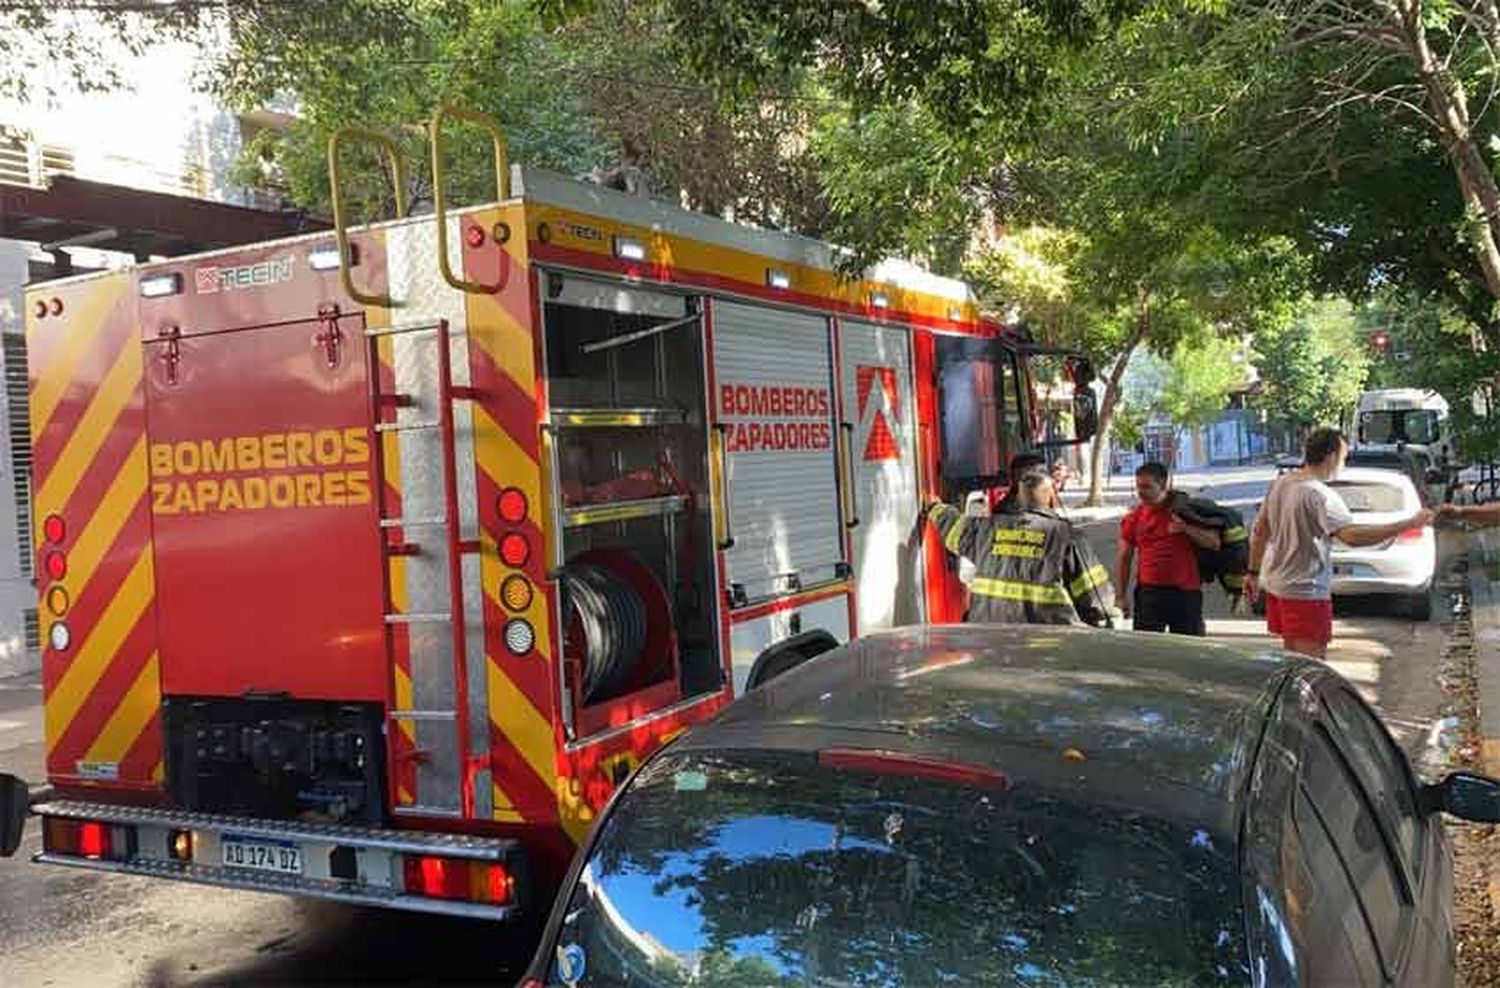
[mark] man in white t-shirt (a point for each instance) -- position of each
(1291, 542)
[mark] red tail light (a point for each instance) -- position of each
(458, 878)
(87, 839)
(1410, 535)
(513, 506)
(54, 529)
(881, 762)
(514, 549)
(57, 565)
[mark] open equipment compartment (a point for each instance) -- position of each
(630, 457)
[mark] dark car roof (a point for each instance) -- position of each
(1162, 723)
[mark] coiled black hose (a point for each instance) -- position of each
(613, 617)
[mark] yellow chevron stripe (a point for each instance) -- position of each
(493, 329)
(99, 648)
(573, 812)
(526, 729)
(390, 452)
(403, 702)
(114, 393)
(103, 527)
(505, 810)
(130, 718)
(159, 772)
(504, 461)
(83, 328)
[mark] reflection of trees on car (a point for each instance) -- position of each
(860, 879)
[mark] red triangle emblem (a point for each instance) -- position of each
(881, 445)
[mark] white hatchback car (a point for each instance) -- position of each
(1401, 566)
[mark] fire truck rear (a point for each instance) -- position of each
(372, 562)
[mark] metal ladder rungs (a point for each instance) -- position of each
(420, 617)
(413, 522)
(407, 426)
(423, 715)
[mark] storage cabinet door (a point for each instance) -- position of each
(775, 408)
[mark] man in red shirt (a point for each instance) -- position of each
(1168, 590)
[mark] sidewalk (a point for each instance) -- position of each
(1119, 490)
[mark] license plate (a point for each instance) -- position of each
(262, 855)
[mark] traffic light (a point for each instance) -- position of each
(1380, 342)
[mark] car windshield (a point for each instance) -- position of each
(1410, 426)
(769, 869)
(1366, 496)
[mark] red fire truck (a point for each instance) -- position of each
(370, 563)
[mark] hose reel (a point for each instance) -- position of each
(619, 629)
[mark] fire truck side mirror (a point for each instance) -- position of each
(1080, 371)
(1085, 415)
(15, 803)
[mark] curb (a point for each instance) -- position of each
(1484, 601)
(1484, 596)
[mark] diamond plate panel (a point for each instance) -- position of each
(417, 287)
(425, 300)
(437, 775)
(431, 665)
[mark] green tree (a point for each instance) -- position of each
(388, 69)
(1202, 371)
(1314, 368)
(602, 93)
(929, 98)
(1138, 279)
(46, 48)
(1365, 132)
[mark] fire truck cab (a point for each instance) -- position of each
(371, 562)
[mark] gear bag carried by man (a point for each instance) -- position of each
(1231, 560)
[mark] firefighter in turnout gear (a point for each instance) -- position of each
(1032, 567)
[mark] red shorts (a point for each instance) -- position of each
(1300, 618)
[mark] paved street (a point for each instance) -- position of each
(69, 928)
(65, 928)
(1393, 661)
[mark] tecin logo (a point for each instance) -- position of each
(211, 279)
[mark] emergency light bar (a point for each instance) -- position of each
(778, 279)
(161, 285)
(880, 300)
(326, 257)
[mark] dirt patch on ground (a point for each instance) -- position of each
(1476, 897)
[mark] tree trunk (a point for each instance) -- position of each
(1449, 105)
(1114, 388)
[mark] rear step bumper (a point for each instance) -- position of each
(376, 856)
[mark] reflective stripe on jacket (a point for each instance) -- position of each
(1031, 567)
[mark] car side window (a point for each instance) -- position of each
(1346, 814)
(1339, 947)
(1382, 770)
